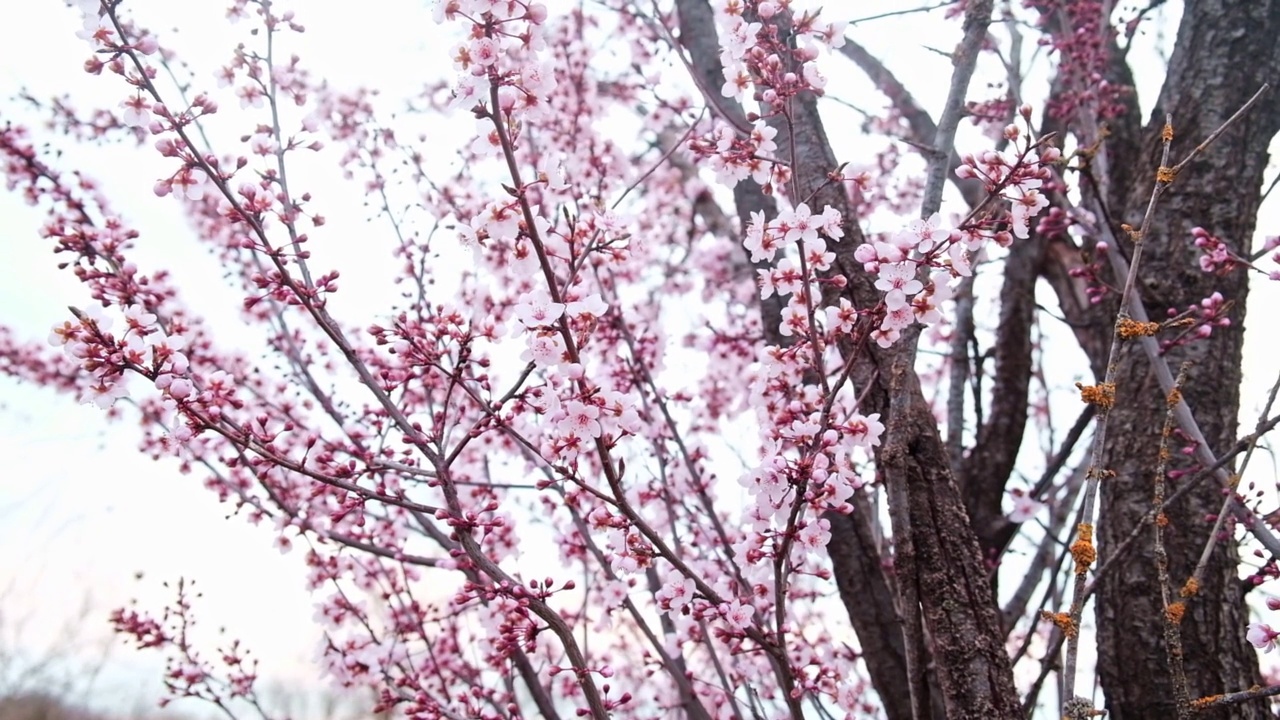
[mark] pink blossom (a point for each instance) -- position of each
(1262, 636)
(590, 306)
(581, 419)
(736, 614)
(929, 232)
(798, 225)
(677, 593)
(1025, 207)
(1025, 507)
(898, 280)
(841, 318)
(536, 309)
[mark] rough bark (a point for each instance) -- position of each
(942, 557)
(937, 560)
(856, 559)
(869, 601)
(1225, 51)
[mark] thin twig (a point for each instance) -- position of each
(1103, 396)
(1235, 698)
(1231, 497)
(895, 13)
(1173, 611)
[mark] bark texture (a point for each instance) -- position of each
(857, 562)
(1225, 51)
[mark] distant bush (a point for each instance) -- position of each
(43, 706)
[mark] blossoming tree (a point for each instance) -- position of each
(709, 423)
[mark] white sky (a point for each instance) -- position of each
(80, 510)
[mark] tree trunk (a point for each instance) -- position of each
(1225, 50)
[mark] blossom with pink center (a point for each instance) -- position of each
(841, 318)
(676, 593)
(760, 239)
(591, 306)
(799, 225)
(898, 280)
(546, 349)
(536, 309)
(814, 535)
(795, 320)
(929, 232)
(762, 137)
(1023, 209)
(736, 614)
(581, 419)
(864, 430)
(831, 223)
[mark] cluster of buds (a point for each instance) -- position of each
(769, 51)
(1215, 256)
(143, 348)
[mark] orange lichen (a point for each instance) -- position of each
(1130, 328)
(1190, 589)
(1174, 612)
(1162, 520)
(1166, 175)
(1204, 702)
(1166, 133)
(1062, 620)
(1082, 550)
(1104, 395)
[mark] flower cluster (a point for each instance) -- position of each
(734, 158)
(574, 351)
(501, 49)
(897, 263)
(1199, 320)
(754, 55)
(1017, 178)
(1082, 33)
(187, 674)
(771, 51)
(143, 348)
(901, 260)
(1215, 256)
